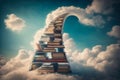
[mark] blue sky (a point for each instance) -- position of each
(94, 28)
(34, 13)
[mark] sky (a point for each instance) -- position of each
(91, 36)
(34, 13)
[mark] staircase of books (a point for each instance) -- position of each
(50, 56)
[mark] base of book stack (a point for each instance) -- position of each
(47, 62)
(50, 56)
(54, 67)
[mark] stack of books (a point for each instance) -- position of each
(51, 50)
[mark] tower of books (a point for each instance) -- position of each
(50, 56)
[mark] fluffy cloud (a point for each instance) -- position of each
(36, 38)
(104, 61)
(14, 23)
(101, 6)
(27, 76)
(23, 59)
(115, 32)
(101, 63)
(80, 13)
(17, 68)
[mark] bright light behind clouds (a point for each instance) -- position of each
(14, 22)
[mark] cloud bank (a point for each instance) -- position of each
(17, 68)
(14, 22)
(100, 60)
(102, 63)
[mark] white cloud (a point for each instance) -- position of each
(101, 6)
(105, 61)
(17, 68)
(115, 32)
(36, 38)
(80, 13)
(14, 22)
(23, 59)
(18, 75)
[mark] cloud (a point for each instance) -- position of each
(23, 59)
(2, 61)
(96, 59)
(36, 38)
(17, 68)
(102, 63)
(84, 17)
(115, 32)
(27, 76)
(102, 6)
(14, 23)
